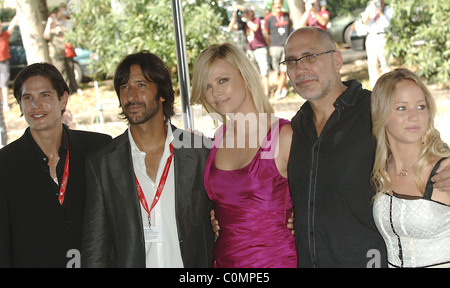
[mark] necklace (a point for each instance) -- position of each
(404, 172)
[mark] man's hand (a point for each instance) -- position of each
(214, 224)
(290, 224)
(442, 178)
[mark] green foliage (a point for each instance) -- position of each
(341, 7)
(6, 14)
(420, 37)
(128, 26)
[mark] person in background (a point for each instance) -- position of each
(412, 217)
(323, 5)
(4, 61)
(378, 17)
(268, 6)
(277, 26)
(256, 44)
(54, 32)
(314, 15)
(41, 191)
(146, 205)
(246, 171)
(66, 24)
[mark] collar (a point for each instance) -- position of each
(169, 138)
(38, 151)
(348, 98)
(351, 95)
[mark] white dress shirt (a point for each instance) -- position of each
(165, 253)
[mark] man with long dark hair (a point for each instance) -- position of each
(146, 205)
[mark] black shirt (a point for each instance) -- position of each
(62, 152)
(329, 180)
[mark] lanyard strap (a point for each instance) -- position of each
(160, 188)
(62, 189)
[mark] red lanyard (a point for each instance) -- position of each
(280, 21)
(62, 189)
(160, 188)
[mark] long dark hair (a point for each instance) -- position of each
(154, 70)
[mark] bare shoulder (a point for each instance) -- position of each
(286, 136)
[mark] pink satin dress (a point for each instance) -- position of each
(252, 205)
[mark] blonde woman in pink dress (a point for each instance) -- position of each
(246, 172)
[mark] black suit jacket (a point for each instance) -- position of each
(113, 230)
(35, 230)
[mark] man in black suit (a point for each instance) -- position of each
(145, 201)
(41, 191)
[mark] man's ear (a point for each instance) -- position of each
(338, 60)
(64, 100)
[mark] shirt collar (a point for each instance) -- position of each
(348, 98)
(169, 139)
(38, 151)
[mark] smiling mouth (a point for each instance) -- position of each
(220, 103)
(37, 116)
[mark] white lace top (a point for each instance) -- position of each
(416, 231)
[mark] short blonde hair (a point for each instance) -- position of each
(234, 56)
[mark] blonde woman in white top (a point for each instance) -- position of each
(413, 218)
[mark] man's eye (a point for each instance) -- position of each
(291, 62)
(310, 57)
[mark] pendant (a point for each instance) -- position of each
(149, 222)
(403, 173)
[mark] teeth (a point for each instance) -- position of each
(38, 115)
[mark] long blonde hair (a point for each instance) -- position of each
(234, 56)
(382, 103)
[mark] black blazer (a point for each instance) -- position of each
(35, 230)
(113, 230)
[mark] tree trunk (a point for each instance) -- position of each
(297, 8)
(32, 28)
(43, 8)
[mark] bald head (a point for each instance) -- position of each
(321, 36)
(319, 77)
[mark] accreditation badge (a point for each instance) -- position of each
(153, 234)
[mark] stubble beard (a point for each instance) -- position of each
(141, 117)
(312, 95)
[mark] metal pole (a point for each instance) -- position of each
(183, 68)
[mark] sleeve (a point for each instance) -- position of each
(5, 233)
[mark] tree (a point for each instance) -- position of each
(31, 28)
(419, 37)
(115, 28)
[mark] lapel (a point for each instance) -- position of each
(124, 189)
(185, 165)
